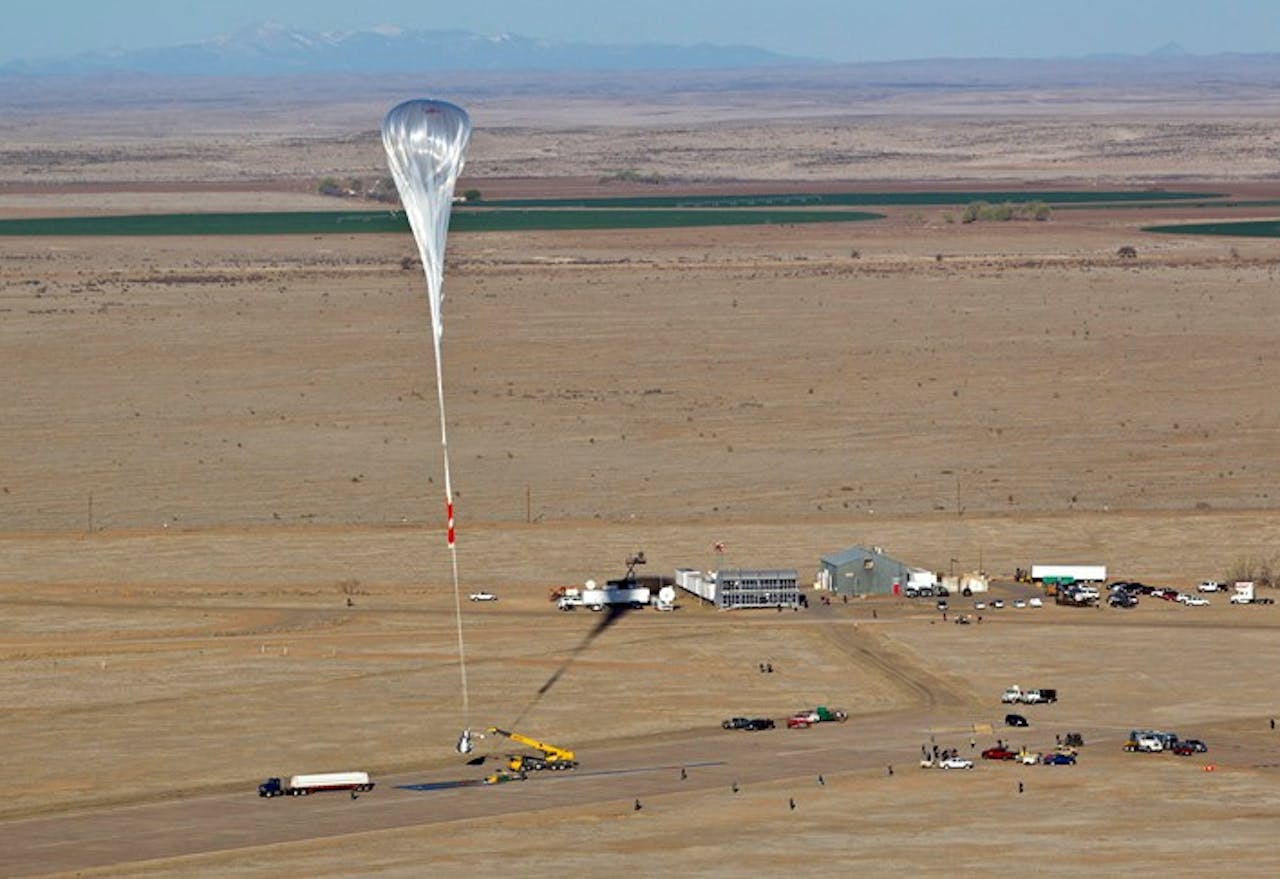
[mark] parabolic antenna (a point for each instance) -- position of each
(666, 594)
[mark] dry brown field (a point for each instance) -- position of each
(222, 556)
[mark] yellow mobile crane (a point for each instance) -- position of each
(551, 757)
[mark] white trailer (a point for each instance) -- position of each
(1245, 594)
(700, 584)
(1069, 573)
(919, 578)
(966, 584)
(599, 599)
(302, 785)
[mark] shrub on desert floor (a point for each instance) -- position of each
(985, 211)
(1262, 570)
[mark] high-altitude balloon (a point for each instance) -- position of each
(425, 142)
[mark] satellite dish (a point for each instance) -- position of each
(666, 595)
(590, 584)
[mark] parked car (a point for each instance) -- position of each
(1014, 720)
(1189, 747)
(1194, 600)
(1146, 744)
(1059, 760)
(799, 721)
(1018, 602)
(483, 596)
(735, 723)
(997, 604)
(1209, 586)
(956, 763)
(999, 754)
(1035, 602)
(979, 605)
(942, 604)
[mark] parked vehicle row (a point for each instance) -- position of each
(926, 592)
(1018, 603)
(1150, 741)
(1125, 593)
(800, 720)
(1028, 697)
(748, 723)
(1063, 756)
(821, 714)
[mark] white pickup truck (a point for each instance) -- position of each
(1028, 697)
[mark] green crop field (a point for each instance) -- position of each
(859, 199)
(463, 220)
(639, 212)
(1245, 228)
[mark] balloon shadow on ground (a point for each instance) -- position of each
(611, 615)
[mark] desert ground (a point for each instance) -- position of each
(222, 553)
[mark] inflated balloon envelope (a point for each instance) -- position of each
(425, 142)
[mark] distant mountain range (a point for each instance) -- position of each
(272, 49)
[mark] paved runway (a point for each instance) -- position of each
(711, 759)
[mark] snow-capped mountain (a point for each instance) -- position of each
(269, 49)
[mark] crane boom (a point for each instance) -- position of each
(552, 756)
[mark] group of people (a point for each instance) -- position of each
(938, 753)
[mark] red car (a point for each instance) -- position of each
(999, 754)
(799, 721)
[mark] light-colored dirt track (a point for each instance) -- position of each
(923, 686)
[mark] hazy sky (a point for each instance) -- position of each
(839, 30)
